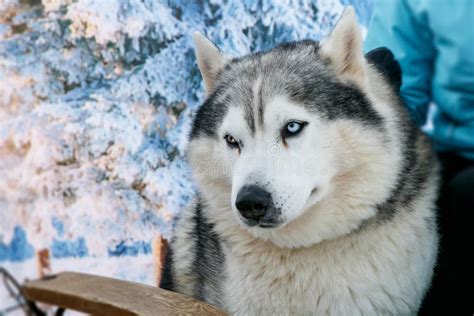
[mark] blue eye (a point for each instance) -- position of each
(293, 128)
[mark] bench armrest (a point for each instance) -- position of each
(106, 296)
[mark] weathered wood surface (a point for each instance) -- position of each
(106, 296)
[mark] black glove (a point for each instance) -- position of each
(382, 58)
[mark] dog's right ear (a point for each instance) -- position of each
(210, 60)
(343, 47)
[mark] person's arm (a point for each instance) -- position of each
(403, 28)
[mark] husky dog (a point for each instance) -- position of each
(316, 192)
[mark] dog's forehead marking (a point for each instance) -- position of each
(258, 101)
(246, 93)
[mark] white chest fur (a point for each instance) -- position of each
(381, 270)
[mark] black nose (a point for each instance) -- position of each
(253, 202)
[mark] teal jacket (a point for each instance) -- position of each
(433, 40)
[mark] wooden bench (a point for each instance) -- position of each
(106, 296)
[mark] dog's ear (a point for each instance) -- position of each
(343, 47)
(210, 60)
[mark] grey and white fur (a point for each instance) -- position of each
(316, 192)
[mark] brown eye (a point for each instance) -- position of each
(231, 141)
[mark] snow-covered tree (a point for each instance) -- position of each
(96, 99)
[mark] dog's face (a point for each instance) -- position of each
(278, 138)
(281, 162)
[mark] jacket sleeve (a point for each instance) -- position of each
(404, 29)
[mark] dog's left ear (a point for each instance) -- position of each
(210, 60)
(343, 47)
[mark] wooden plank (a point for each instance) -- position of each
(106, 296)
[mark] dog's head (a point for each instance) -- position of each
(289, 143)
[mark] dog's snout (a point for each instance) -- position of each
(253, 202)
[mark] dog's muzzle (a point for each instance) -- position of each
(256, 206)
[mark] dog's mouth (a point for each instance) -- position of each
(267, 224)
(272, 220)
